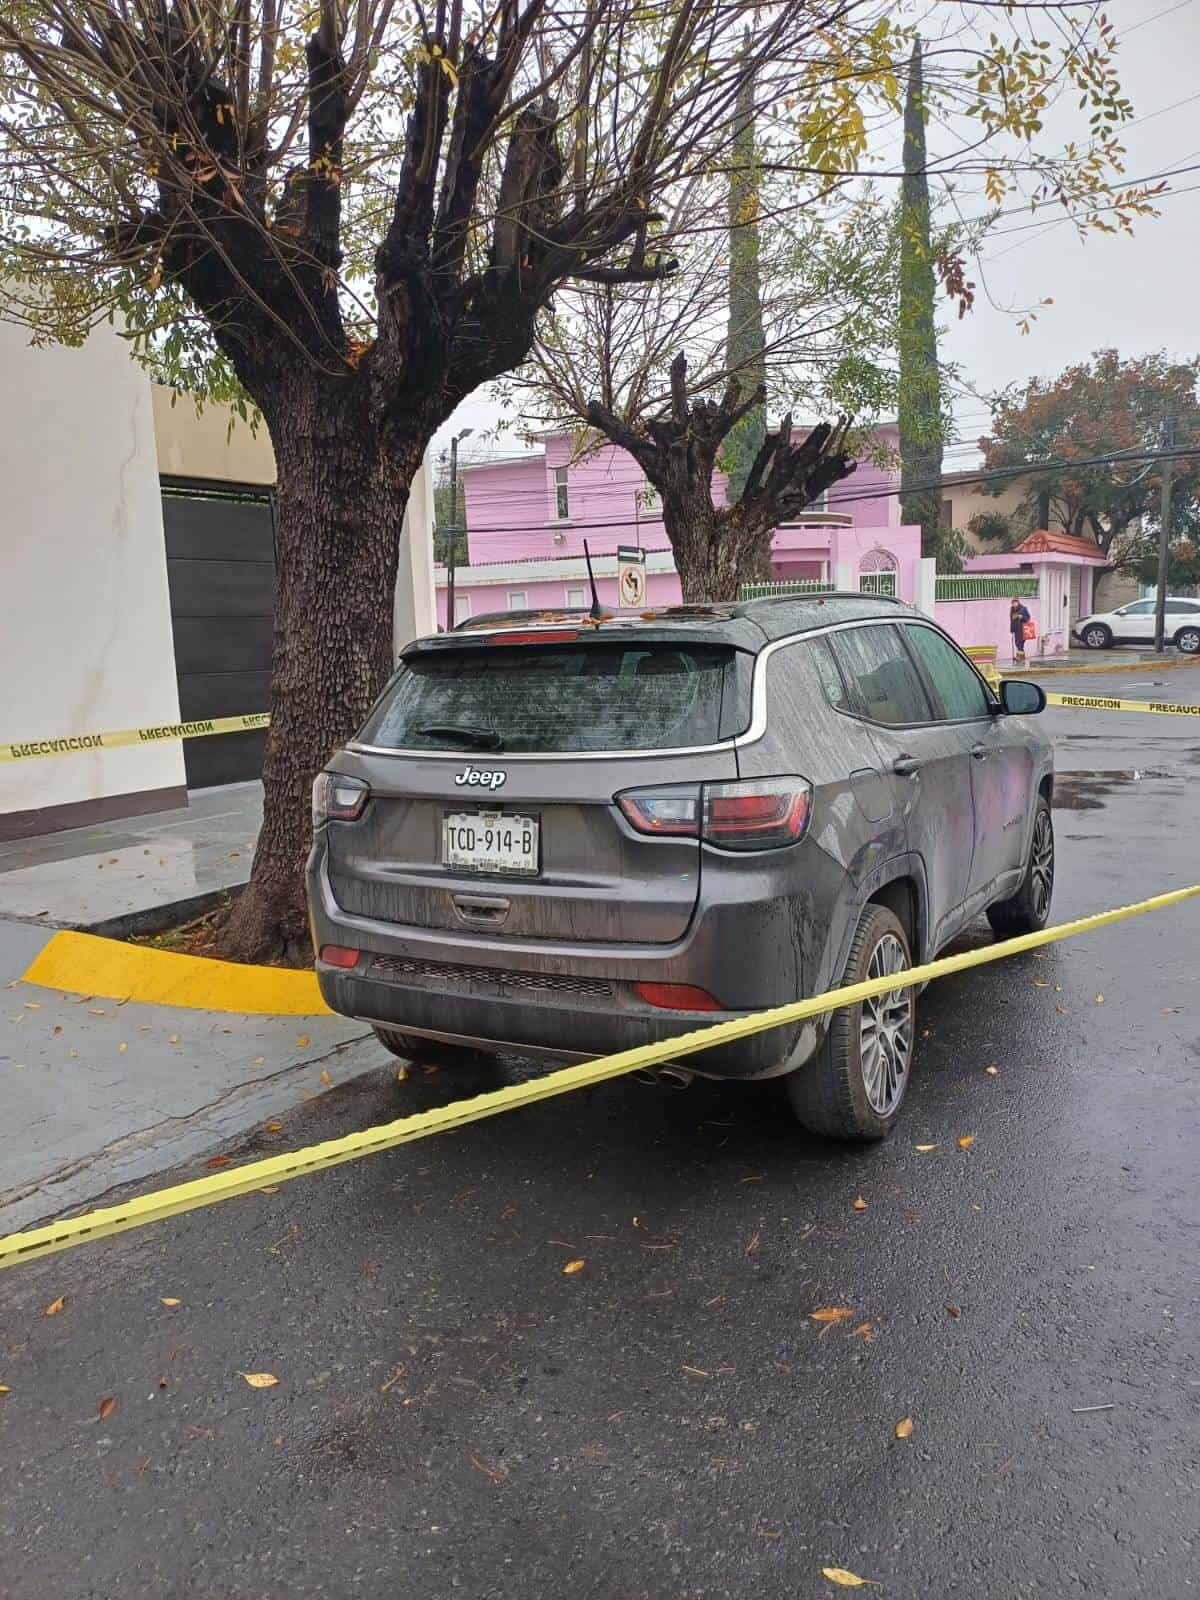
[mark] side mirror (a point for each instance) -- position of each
(1020, 698)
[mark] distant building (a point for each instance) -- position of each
(527, 518)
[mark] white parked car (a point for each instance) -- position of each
(1134, 624)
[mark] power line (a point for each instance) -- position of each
(958, 480)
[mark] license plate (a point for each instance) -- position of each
(487, 841)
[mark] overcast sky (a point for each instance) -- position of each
(1137, 293)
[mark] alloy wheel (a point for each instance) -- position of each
(886, 1030)
(1042, 864)
(1189, 641)
(1095, 637)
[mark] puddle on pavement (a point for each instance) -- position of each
(1087, 791)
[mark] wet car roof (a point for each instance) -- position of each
(744, 624)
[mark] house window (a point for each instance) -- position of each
(648, 497)
(947, 517)
(821, 503)
(577, 597)
(562, 504)
(462, 607)
(518, 600)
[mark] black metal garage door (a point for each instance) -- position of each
(221, 571)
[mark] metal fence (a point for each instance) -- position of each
(761, 591)
(963, 586)
(877, 583)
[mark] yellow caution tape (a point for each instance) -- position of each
(1103, 702)
(225, 1185)
(84, 743)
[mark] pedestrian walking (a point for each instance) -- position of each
(1018, 616)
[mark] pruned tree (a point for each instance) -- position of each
(815, 289)
(714, 545)
(353, 214)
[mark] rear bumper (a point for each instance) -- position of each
(578, 1001)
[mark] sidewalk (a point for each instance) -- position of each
(1129, 656)
(112, 871)
(98, 1093)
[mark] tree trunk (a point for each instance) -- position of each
(341, 500)
(709, 554)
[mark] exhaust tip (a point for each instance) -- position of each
(673, 1077)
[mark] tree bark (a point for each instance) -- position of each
(341, 500)
(709, 554)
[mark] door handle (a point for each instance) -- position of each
(906, 767)
(979, 752)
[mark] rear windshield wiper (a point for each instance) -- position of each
(480, 738)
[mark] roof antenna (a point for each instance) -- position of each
(597, 611)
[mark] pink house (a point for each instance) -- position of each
(527, 518)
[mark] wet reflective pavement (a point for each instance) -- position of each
(456, 1415)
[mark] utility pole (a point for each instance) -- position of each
(452, 528)
(1164, 538)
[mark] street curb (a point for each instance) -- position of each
(1136, 666)
(84, 963)
(161, 918)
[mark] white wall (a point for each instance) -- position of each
(414, 612)
(85, 644)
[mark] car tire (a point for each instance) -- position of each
(1028, 911)
(1097, 636)
(1187, 641)
(846, 1091)
(429, 1052)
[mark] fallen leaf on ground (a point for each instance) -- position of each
(122, 1048)
(302, 1041)
(259, 1060)
(274, 1127)
(967, 1140)
(56, 1030)
(325, 1078)
(107, 1406)
(260, 1380)
(1062, 1010)
(953, 1310)
(168, 1300)
(860, 1204)
(904, 1428)
(832, 1314)
(402, 1075)
(1041, 983)
(496, 1474)
(219, 1161)
(992, 1072)
(32, 1005)
(269, 1188)
(923, 1148)
(55, 1306)
(4, 1389)
(574, 1266)
(174, 1039)
(1099, 999)
(847, 1580)
(864, 1331)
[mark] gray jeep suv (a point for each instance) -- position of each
(563, 837)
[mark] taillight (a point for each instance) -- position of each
(339, 955)
(676, 997)
(338, 799)
(756, 814)
(663, 811)
(753, 814)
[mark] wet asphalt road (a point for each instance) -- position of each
(455, 1415)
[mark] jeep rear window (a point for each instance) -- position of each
(564, 698)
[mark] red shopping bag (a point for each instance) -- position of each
(1029, 631)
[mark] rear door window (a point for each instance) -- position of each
(563, 698)
(880, 674)
(957, 684)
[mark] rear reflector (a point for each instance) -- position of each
(337, 955)
(676, 997)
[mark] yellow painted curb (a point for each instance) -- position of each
(84, 963)
(1132, 666)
